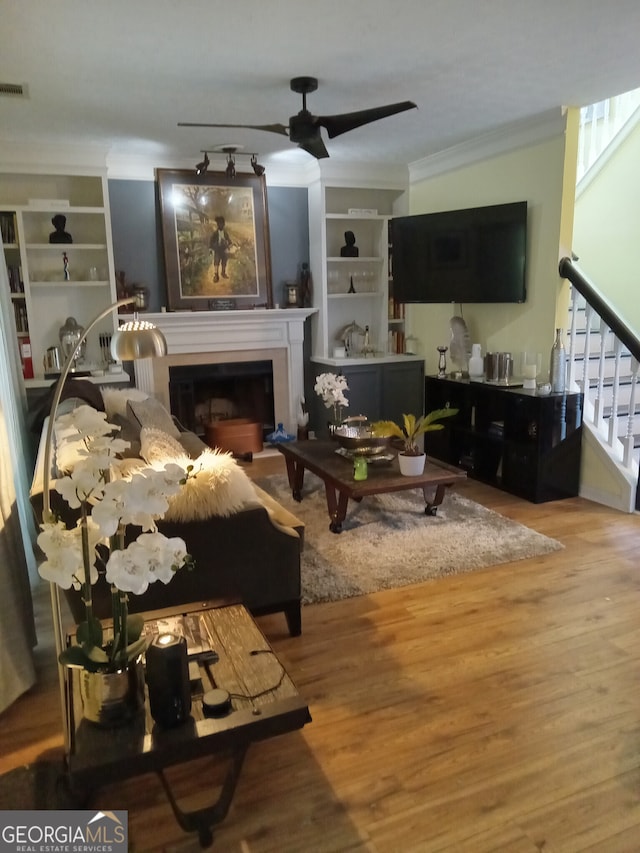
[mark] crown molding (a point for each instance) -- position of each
(302, 171)
(374, 175)
(38, 158)
(508, 138)
(289, 169)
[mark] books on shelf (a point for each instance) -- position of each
(14, 272)
(396, 309)
(396, 341)
(22, 323)
(8, 228)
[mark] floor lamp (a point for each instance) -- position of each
(133, 339)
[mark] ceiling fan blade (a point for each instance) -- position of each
(270, 128)
(315, 146)
(335, 125)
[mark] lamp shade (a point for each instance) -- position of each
(137, 339)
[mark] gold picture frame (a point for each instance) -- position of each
(215, 232)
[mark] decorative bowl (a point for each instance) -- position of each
(358, 438)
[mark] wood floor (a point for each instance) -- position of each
(493, 711)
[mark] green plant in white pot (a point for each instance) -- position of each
(412, 458)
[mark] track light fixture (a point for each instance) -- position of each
(230, 151)
(257, 168)
(201, 168)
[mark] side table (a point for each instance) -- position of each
(264, 703)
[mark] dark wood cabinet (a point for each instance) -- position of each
(381, 390)
(522, 442)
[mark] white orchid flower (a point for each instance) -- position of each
(64, 565)
(151, 557)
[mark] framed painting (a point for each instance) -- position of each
(215, 232)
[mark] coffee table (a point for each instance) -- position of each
(264, 703)
(336, 472)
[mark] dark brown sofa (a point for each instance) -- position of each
(252, 556)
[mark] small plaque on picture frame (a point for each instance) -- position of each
(222, 305)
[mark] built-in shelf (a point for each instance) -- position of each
(42, 298)
(329, 222)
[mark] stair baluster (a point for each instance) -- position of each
(628, 440)
(598, 412)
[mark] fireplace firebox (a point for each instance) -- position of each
(201, 394)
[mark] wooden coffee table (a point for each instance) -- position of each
(336, 472)
(264, 703)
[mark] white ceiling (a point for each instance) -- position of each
(120, 74)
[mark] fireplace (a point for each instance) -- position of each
(204, 393)
(232, 337)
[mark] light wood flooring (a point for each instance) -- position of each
(492, 711)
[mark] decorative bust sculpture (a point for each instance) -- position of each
(60, 235)
(350, 250)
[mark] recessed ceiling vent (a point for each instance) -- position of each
(13, 90)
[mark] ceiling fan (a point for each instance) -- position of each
(304, 128)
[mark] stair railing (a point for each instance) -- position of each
(603, 328)
(600, 124)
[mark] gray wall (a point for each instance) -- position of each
(137, 238)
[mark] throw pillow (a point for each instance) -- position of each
(192, 444)
(217, 485)
(151, 413)
(116, 399)
(159, 446)
(128, 432)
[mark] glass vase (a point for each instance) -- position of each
(558, 364)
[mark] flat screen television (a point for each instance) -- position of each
(472, 255)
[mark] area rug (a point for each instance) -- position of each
(387, 541)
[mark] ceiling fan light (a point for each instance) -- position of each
(230, 171)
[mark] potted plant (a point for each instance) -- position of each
(107, 503)
(332, 387)
(412, 458)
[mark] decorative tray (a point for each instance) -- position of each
(374, 457)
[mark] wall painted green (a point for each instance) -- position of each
(534, 174)
(606, 233)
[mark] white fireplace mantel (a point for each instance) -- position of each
(201, 337)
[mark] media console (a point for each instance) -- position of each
(522, 442)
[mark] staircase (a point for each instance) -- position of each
(603, 352)
(603, 127)
(603, 357)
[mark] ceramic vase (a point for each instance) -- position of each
(112, 699)
(476, 363)
(411, 466)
